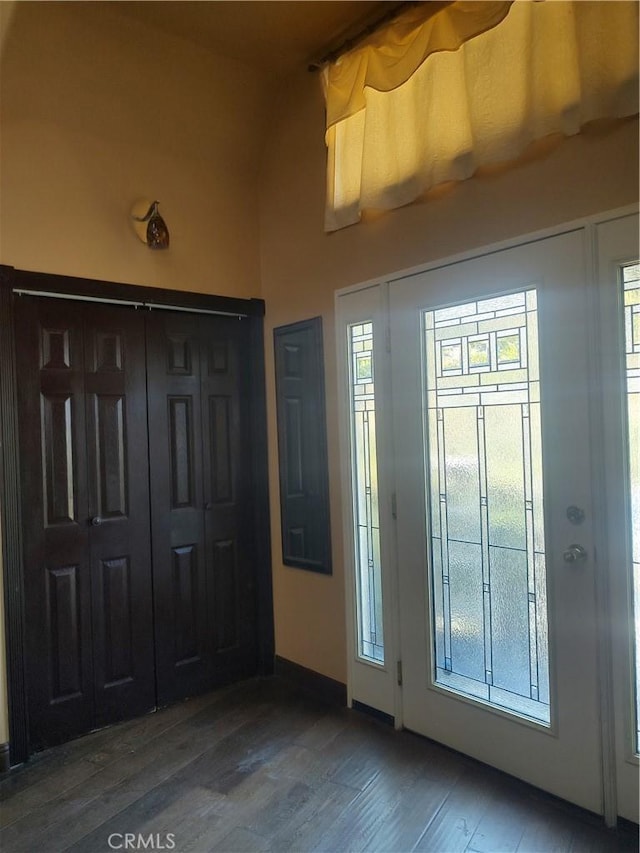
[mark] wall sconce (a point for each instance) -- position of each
(150, 226)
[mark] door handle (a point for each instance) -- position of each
(209, 505)
(96, 521)
(575, 554)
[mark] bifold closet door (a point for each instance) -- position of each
(84, 473)
(118, 490)
(200, 501)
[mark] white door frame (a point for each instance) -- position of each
(605, 660)
(615, 241)
(371, 684)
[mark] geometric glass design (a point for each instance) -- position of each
(631, 293)
(484, 498)
(364, 473)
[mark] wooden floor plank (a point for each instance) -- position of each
(324, 730)
(261, 767)
(400, 772)
(219, 769)
(451, 828)
(215, 769)
(501, 827)
(240, 840)
(50, 772)
(405, 823)
(310, 823)
(546, 832)
(87, 805)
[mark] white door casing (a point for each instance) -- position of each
(370, 682)
(617, 245)
(577, 320)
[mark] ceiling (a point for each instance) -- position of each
(273, 36)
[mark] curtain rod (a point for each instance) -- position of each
(349, 43)
(149, 306)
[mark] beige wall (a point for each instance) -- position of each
(302, 267)
(98, 111)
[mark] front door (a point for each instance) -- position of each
(84, 472)
(496, 563)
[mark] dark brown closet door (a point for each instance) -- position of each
(82, 417)
(201, 523)
(57, 578)
(177, 511)
(118, 491)
(227, 496)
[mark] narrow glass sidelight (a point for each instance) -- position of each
(631, 292)
(364, 472)
(485, 503)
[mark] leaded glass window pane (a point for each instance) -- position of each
(482, 431)
(370, 640)
(631, 291)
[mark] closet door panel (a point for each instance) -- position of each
(57, 582)
(115, 389)
(228, 500)
(177, 510)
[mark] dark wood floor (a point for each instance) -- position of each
(258, 766)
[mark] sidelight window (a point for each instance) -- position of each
(631, 290)
(364, 472)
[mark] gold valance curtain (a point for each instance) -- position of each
(434, 96)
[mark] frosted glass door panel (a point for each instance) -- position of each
(482, 431)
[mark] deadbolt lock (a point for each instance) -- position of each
(575, 514)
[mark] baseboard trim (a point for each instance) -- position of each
(5, 763)
(627, 825)
(383, 717)
(319, 686)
